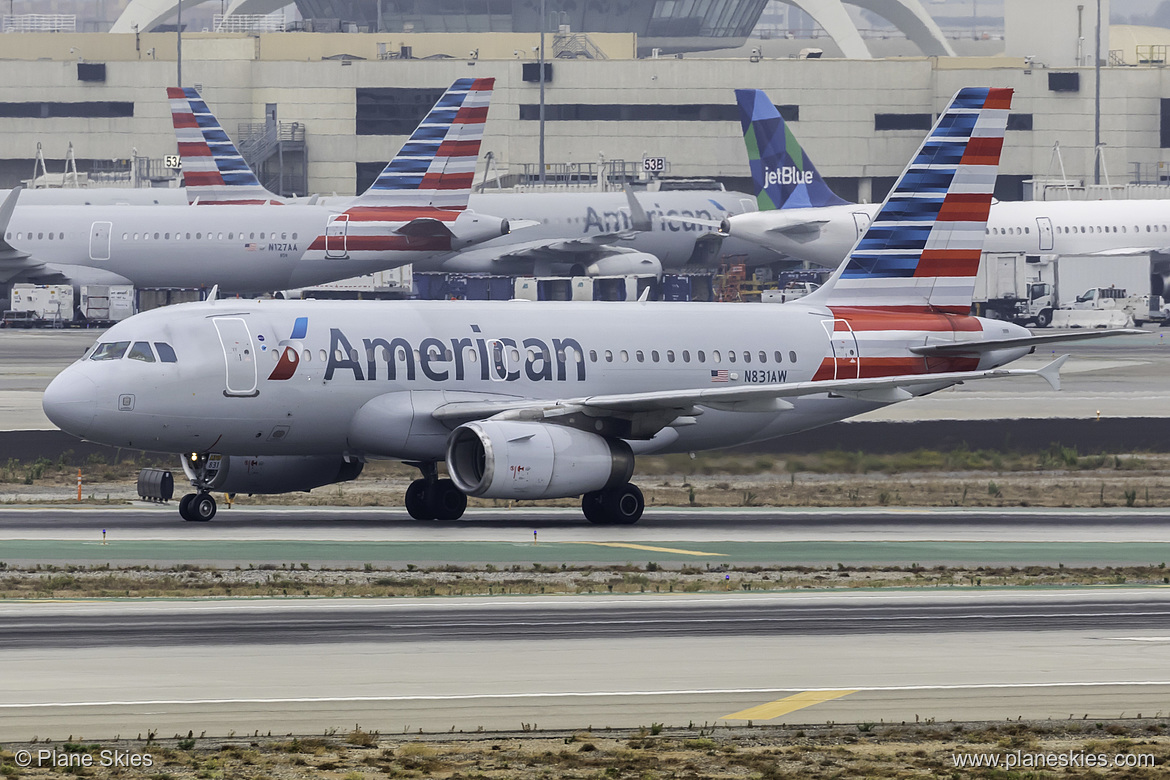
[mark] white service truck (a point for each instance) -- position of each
(1034, 289)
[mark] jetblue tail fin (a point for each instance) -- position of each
(213, 169)
(922, 250)
(436, 166)
(784, 176)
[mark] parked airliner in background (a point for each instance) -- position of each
(544, 400)
(800, 216)
(416, 208)
(567, 233)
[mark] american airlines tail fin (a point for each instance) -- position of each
(213, 169)
(436, 166)
(921, 252)
(784, 176)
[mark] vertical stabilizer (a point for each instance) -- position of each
(922, 250)
(783, 175)
(214, 171)
(436, 166)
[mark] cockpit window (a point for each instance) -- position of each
(165, 353)
(141, 351)
(111, 350)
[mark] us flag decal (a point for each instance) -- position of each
(719, 375)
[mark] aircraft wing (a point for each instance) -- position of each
(653, 411)
(557, 250)
(13, 262)
(1036, 339)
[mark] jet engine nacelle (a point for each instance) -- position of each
(471, 228)
(273, 473)
(626, 263)
(528, 460)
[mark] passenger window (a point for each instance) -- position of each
(592, 356)
(252, 234)
(141, 351)
(608, 356)
(308, 356)
(747, 356)
(625, 356)
(198, 236)
(792, 356)
(686, 356)
(111, 350)
(654, 355)
(730, 356)
(779, 357)
(294, 236)
(640, 356)
(670, 356)
(763, 356)
(701, 356)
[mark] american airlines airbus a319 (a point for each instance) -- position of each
(415, 209)
(545, 400)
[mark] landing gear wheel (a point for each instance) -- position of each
(416, 501)
(591, 506)
(445, 501)
(185, 506)
(202, 507)
(623, 505)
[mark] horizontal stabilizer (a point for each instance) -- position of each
(1036, 339)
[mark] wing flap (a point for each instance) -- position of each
(1036, 339)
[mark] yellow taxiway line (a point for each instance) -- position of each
(786, 705)
(652, 549)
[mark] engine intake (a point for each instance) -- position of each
(530, 460)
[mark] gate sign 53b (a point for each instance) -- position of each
(653, 164)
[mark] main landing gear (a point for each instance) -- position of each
(197, 507)
(620, 505)
(431, 498)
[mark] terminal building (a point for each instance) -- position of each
(342, 103)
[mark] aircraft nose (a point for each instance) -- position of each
(70, 402)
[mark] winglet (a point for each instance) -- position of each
(213, 293)
(645, 296)
(1051, 372)
(639, 220)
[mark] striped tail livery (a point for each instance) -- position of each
(213, 168)
(921, 252)
(909, 280)
(437, 164)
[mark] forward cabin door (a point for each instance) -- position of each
(239, 356)
(846, 356)
(1044, 228)
(99, 240)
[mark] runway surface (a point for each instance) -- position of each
(347, 537)
(571, 662)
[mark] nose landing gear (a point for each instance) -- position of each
(431, 498)
(202, 470)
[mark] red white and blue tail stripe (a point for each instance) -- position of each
(436, 166)
(213, 169)
(922, 250)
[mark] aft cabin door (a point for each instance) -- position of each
(861, 222)
(335, 235)
(846, 356)
(1044, 229)
(239, 356)
(99, 240)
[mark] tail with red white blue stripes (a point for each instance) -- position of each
(922, 250)
(214, 171)
(437, 164)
